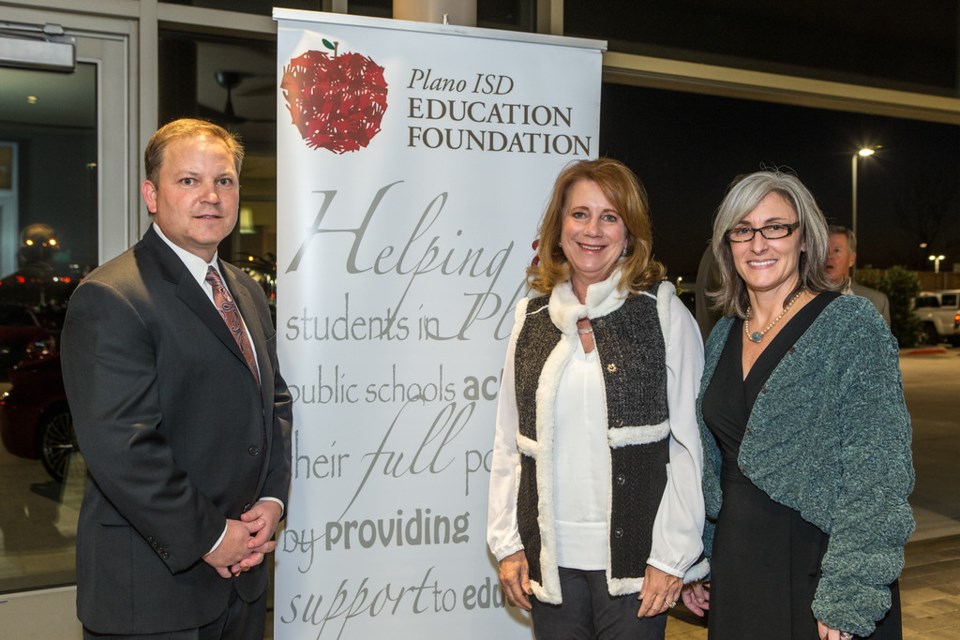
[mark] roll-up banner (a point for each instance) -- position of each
(414, 162)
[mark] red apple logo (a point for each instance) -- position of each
(336, 102)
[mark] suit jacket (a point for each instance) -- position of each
(878, 298)
(176, 434)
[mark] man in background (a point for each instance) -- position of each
(170, 367)
(841, 257)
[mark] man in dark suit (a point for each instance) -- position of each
(841, 257)
(184, 422)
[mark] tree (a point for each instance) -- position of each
(901, 286)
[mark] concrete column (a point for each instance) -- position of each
(459, 12)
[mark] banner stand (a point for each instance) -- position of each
(414, 161)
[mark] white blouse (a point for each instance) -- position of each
(582, 451)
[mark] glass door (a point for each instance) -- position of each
(66, 178)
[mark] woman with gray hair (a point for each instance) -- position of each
(806, 436)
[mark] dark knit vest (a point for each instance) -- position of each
(632, 353)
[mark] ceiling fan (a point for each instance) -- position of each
(230, 80)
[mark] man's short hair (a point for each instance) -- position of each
(187, 128)
(851, 239)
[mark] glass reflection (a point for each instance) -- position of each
(49, 242)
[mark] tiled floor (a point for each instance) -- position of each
(929, 590)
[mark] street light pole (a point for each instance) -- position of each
(936, 262)
(936, 265)
(862, 153)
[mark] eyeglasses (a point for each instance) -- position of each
(770, 232)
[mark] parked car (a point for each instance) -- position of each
(35, 421)
(19, 331)
(938, 312)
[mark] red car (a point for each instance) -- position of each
(20, 331)
(35, 421)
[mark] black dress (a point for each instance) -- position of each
(766, 558)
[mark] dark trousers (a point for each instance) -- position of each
(240, 621)
(589, 612)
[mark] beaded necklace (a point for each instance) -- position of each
(757, 336)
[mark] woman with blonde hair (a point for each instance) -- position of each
(595, 496)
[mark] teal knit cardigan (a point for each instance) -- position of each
(829, 436)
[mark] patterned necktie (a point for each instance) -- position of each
(228, 311)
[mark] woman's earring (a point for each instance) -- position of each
(624, 253)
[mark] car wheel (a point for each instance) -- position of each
(930, 335)
(57, 441)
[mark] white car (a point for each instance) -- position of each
(939, 313)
